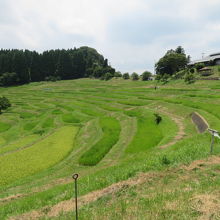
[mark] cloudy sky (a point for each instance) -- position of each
(132, 34)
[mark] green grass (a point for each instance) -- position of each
(49, 122)
(148, 133)
(40, 156)
(117, 136)
(4, 126)
(23, 142)
(30, 125)
(111, 130)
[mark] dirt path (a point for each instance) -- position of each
(180, 134)
(68, 205)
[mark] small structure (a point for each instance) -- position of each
(206, 71)
(213, 59)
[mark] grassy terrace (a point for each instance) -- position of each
(106, 132)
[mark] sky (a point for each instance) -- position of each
(132, 34)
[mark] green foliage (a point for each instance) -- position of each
(190, 78)
(117, 74)
(107, 76)
(165, 160)
(199, 66)
(146, 75)
(20, 67)
(52, 78)
(158, 118)
(4, 104)
(171, 62)
(164, 78)
(9, 79)
(111, 131)
(192, 70)
(134, 76)
(126, 76)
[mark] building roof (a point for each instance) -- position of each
(205, 69)
(211, 57)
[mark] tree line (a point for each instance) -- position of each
(24, 66)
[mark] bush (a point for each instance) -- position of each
(192, 70)
(134, 76)
(165, 78)
(158, 118)
(9, 79)
(108, 76)
(165, 160)
(199, 66)
(190, 78)
(146, 75)
(52, 78)
(126, 76)
(117, 74)
(4, 104)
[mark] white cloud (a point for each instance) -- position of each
(133, 34)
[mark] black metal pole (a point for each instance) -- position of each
(75, 176)
(212, 142)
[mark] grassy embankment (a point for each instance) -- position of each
(92, 106)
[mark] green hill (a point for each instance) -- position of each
(129, 166)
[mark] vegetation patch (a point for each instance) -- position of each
(111, 131)
(148, 133)
(49, 122)
(29, 126)
(25, 115)
(23, 142)
(70, 118)
(40, 156)
(4, 126)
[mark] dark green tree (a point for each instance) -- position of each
(173, 61)
(134, 76)
(126, 76)
(146, 75)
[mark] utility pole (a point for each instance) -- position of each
(75, 177)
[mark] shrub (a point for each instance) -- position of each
(146, 75)
(192, 70)
(199, 66)
(108, 76)
(190, 78)
(52, 78)
(4, 104)
(117, 74)
(165, 160)
(126, 76)
(165, 78)
(9, 79)
(158, 118)
(134, 76)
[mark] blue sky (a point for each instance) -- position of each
(132, 34)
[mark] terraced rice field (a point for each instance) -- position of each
(105, 131)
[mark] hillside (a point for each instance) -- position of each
(129, 167)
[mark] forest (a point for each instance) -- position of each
(24, 66)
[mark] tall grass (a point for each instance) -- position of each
(111, 130)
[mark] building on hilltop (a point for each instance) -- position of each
(212, 59)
